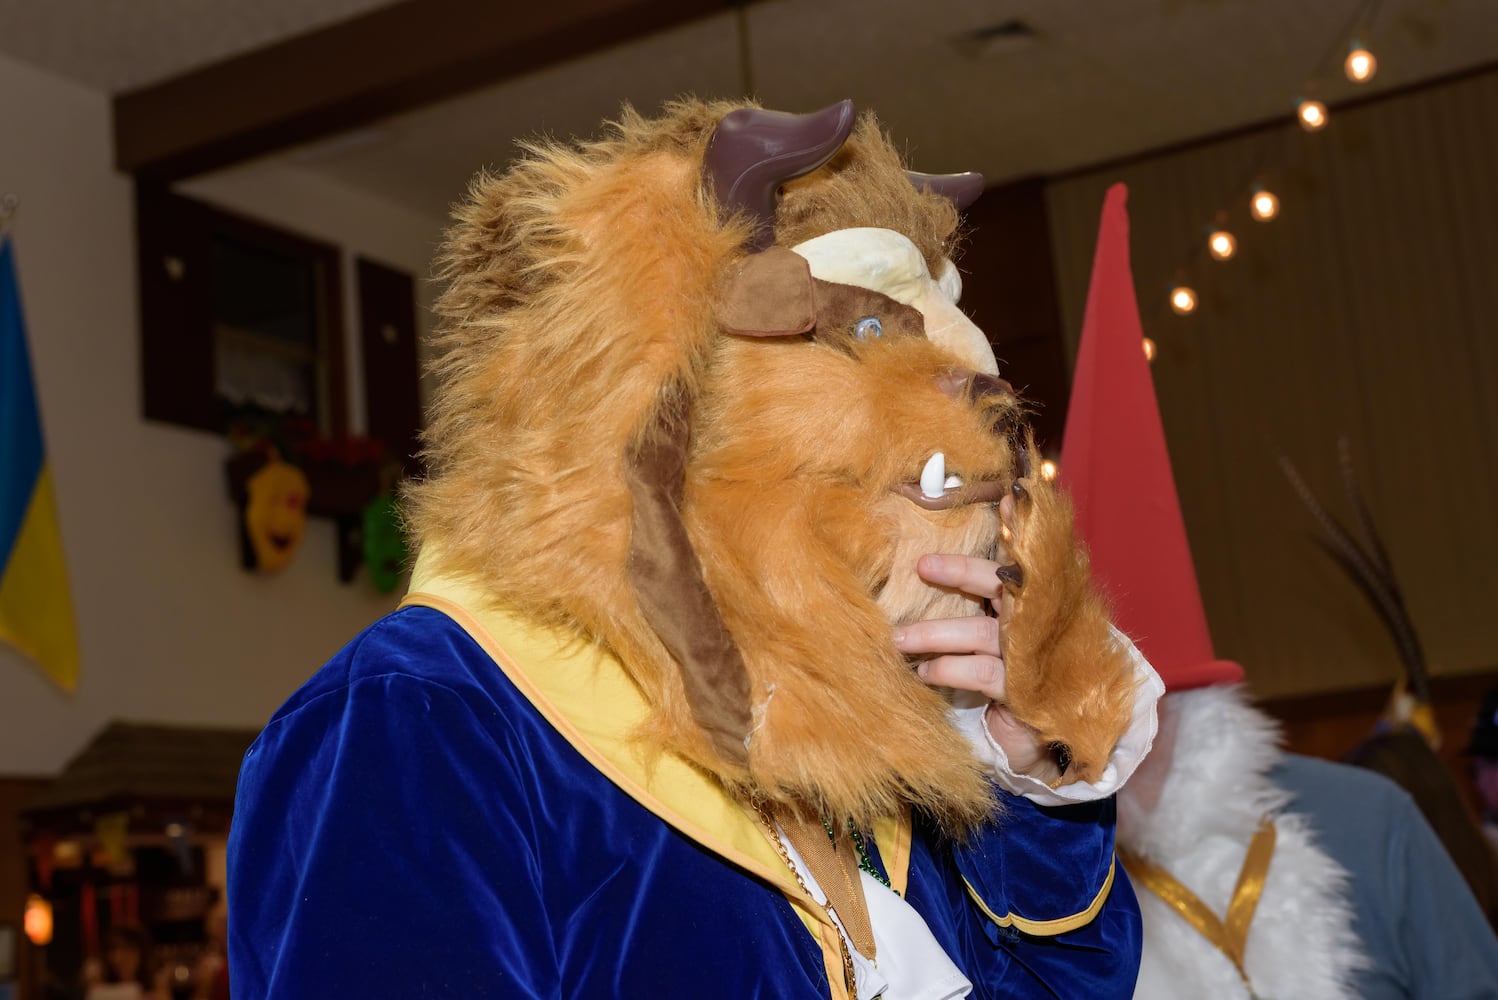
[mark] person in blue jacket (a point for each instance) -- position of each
(682, 700)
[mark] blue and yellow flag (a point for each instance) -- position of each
(36, 611)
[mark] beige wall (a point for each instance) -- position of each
(1369, 308)
(170, 628)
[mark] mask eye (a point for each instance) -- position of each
(868, 328)
(1063, 755)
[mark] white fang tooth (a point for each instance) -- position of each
(953, 482)
(933, 476)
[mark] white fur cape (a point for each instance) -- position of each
(1213, 790)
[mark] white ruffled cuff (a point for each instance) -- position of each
(1125, 760)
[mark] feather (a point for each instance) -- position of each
(1367, 567)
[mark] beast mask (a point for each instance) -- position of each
(705, 398)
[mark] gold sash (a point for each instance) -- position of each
(1230, 936)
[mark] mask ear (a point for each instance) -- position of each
(768, 294)
(668, 583)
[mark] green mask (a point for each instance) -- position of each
(384, 543)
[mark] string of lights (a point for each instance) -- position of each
(1348, 52)
(1358, 64)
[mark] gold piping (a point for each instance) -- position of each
(1049, 928)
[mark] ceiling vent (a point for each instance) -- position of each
(997, 39)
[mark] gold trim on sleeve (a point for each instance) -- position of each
(1049, 928)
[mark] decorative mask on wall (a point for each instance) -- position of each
(384, 543)
(275, 515)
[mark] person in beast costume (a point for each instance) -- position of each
(743, 654)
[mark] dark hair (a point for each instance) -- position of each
(137, 940)
(1484, 740)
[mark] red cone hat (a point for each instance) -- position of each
(1115, 466)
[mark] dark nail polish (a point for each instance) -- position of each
(1063, 755)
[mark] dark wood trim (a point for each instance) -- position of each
(176, 311)
(1365, 700)
(1279, 121)
(349, 74)
(335, 374)
(1009, 290)
(392, 369)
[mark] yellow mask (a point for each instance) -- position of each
(275, 516)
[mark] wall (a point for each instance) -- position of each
(1368, 308)
(170, 628)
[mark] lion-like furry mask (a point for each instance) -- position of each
(625, 447)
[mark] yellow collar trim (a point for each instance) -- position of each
(893, 836)
(591, 702)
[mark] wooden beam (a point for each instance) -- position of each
(349, 74)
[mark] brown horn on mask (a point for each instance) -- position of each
(960, 189)
(753, 151)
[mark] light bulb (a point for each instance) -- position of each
(1149, 349)
(1222, 245)
(1264, 206)
(1312, 115)
(38, 921)
(1182, 300)
(1048, 469)
(1360, 64)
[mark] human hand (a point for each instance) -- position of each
(967, 654)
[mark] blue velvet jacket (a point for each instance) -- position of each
(453, 808)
